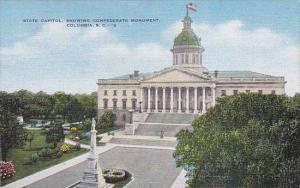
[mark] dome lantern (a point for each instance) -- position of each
(187, 49)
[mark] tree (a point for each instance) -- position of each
(11, 133)
(55, 134)
(25, 100)
(107, 119)
(248, 140)
(86, 124)
(30, 138)
(61, 101)
(74, 110)
(42, 105)
(89, 104)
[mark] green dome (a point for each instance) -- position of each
(186, 38)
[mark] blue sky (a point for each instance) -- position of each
(260, 36)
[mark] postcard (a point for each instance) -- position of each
(153, 94)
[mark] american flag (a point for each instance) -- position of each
(191, 6)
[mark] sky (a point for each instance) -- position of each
(260, 36)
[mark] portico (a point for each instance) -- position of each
(177, 99)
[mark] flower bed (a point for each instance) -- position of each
(6, 170)
(113, 175)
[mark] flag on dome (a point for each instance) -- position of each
(191, 6)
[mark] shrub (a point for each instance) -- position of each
(113, 175)
(59, 154)
(64, 148)
(83, 136)
(34, 157)
(107, 119)
(76, 147)
(6, 170)
(86, 124)
(44, 153)
(73, 129)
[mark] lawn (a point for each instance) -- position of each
(99, 131)
(17, 156)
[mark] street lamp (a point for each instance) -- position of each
(140, 106)
(131, 112)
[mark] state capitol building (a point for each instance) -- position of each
(185, 87)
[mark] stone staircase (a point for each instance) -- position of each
(170, 118)
(154, 129)
(170, 124)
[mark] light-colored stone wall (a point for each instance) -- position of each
(119, 97)
(266, 88)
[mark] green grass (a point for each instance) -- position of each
(99, 131)
(17, 156)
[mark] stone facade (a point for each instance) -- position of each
(185, 87)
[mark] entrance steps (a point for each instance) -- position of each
(154, 129)
(170, 118)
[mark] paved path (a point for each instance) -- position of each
(151, 168)
(149, 159)
(143, 142)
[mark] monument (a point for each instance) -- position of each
(92, 176)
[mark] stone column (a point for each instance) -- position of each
(213, 96)
(195, 100)
(164, 100)
(187, 101)
(142, 99)
(149, 98)
(172, 100)
(203, 101)
(156, 99)
(179, 100)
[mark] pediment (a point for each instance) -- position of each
(174, 75)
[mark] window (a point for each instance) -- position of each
(124, 104)
(133, 93)
(105, 92)
(186, 59)
(260, 91)
(194, 59)
(176, 59)
(134, 104)
(114, 104)
(115, 92)
(182, 58)
(273, 92)
(209, 92)
(197, 59)
(223, 92)
(235, 92)
(247, 91)
(124, 92)
(105, 103)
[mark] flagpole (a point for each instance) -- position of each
(187, 11)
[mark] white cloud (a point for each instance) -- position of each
(71, 59)
(229, 46)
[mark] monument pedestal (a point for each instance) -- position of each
(92, 176)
